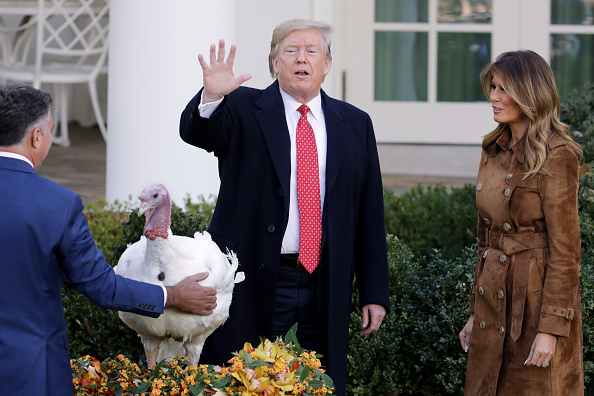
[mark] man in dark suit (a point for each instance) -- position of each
(44, 234)
(300, 242)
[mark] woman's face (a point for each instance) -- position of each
(505, 110)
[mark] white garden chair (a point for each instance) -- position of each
(65, 43)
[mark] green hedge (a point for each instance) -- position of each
(430, 218)
(577, 110)
(417, 351)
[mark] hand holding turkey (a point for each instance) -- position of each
(191, 297)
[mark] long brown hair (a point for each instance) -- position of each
(529, 81)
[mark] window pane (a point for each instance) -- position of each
(460, 59)
(572, 60)
(572, 12)
(401, 66)
(401, 11)
(464, 11)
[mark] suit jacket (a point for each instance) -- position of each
(249, 135)
(44, 234)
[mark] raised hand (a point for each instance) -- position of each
(218, 77)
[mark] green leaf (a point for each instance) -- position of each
(304, 373)
(141, 388)
(316, 384)
(327, 380)
(221, 383)
(246, 357)
(196, 390)
(258, 363)
(291, 337)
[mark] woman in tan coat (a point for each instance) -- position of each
(524, 334)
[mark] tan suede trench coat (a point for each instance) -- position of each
(527, 274)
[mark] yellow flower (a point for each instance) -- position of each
(284, 380)
(253, 381)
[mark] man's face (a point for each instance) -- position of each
(301, 64)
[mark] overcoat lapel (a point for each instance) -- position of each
(273, 124)
(335, 148)
(337, 140)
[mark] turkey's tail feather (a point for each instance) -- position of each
(232, 258)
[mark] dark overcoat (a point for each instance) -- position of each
(248, 134)
(527, 277)
(45, 236)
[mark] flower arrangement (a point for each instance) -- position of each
(280, 368)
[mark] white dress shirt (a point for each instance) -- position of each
(16, 156)
(315, 116)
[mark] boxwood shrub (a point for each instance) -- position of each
(577, 110)
(432, 218)
(417, 351)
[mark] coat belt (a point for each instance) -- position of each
(520, 246)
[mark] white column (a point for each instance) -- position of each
(153, 73)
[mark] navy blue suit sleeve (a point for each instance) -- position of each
(86, 269)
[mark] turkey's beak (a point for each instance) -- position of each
(143, 208)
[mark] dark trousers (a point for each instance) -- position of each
(296, 302)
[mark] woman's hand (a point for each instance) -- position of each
(466, 333)
(543, 349)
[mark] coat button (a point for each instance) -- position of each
(487, 221)
(481, 291)
(507, 226)
(503, 258)
(479, 187)
(485, 253)
(500, 294)
(482, 324)
(509, 176)
(261, 266)
(501, 330)
(271, 228)
(280, 192)
(506, 192)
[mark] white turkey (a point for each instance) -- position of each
(161, 258)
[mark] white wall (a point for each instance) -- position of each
(153, 73)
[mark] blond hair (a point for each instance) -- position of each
(284, 29)
(529, 81)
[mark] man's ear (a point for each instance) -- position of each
(275, 65)
(35, 137)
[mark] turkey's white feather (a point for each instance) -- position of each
(167, 261)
